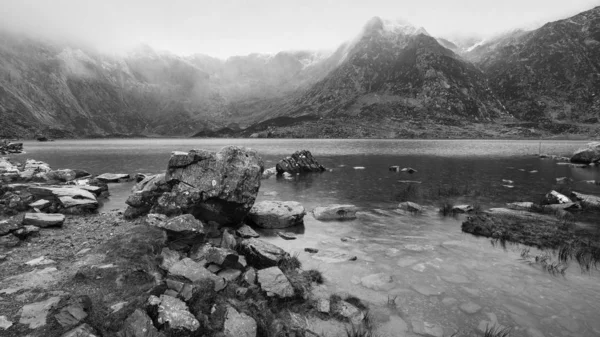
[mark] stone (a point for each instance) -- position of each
(276, 214)
(169, 258)
(113, 177)
(274, 282)
(8, 226)
(395, 327)
(554, 197)
(299, 162)
(5, 323)
(246, 232)
(84, 330)
(311, 250)
(522, 206)
(427, 329)
(470, 308)
(39, 278)
(587, 155)
(250, 276)
(410, 207)
(564, 180)
(261, 254)
(380, 281)
(347, 310)
(26, 232)
(335, 212)
(44, 220)
(40, 261)
(332, 256)
(229, 274)
(40, 204)
(65, 175)
(118, 306)
(34, 314)
(287, 235)
(323, 305)
(194, 272)
(175, 312)
(267, 173)
(77, 206)
(462, 208)
(591, 200)
(139, 324)
(238, 324)
(184, 230)
(9, 241)
(71, 315)
(214, 268)
(223, 257)
(228, 241)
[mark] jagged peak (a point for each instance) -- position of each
(396, 26)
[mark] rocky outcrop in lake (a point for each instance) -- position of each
(587, 155)
(299, 162)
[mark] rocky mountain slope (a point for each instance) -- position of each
(392, 80)
(551, 73)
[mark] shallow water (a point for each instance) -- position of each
(426, 261)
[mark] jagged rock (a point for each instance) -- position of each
(228, 241)
(229, 274)
(246, 232)
(185, 230)
(462, 209)
(8, 226)
(139, 324)
(34, 314)
(335, 212)
(587, 155)
(5, 323)
(145, 194)
(9, 241)
(71, 315)
(223, 257)
(176, 313)
(84, 330)
(113, 177)
(267, 173)
(73, 199)
(276, 214)
(410, 206)
(250, 276)
(299, 162)
(40, 204)
(554, 197)
(219, 187)
(591, 200)
(193, 271)
(273, 281)
(169, 258)
(238, 324)
(44, 220)
(261, 254)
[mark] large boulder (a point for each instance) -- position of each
(277, 214)
(588, 154)
(335, 212)
(219, 187)
(299, 162)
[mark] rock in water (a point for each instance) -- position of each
(587, 155)
(335, 212)
(554, 197)
(219, 187)
(410, 206)
(113, 177)
(277, 214)
(299, 162)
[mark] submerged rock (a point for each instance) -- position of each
(277, 214)
(335, 212)
(299, 162)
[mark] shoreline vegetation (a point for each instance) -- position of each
(184, 258)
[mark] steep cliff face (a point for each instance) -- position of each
(551, 73)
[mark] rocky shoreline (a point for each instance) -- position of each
(184, 259)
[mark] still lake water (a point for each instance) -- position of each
(434, 267)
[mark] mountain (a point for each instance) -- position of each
(393, 77)
(550, 75)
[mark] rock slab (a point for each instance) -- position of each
(276, 214)
(335, 212)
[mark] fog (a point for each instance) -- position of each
(224, 28)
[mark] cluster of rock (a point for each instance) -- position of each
(7, 147)
(299, 162)
(587, 155)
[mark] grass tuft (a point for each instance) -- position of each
(315, 276)
(447, 209)
(290, 263)
(496, 331)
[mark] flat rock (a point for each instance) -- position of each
(335, 212)
(113, 177)
(410, 206)
(275, 283)
(332, 256)
(26, 231)
(238, 324)
(40, 204)
(379, 281)
(34, 314)
(276, 214)
(462, 208)
(470, 308)
(427, 329)
(455, 278)
(229, 274)
(222, 257)
(34, 279)
(587, 199)
(246, 232)
(175, 312)
(260, 253)
(139, 324)
(426, 290)
(40, 261)
(194, 272)
(185, 224)
(84, 330)
(71, 315)
(287, 235)
(522, 206)
(5, 323)
(43, 220)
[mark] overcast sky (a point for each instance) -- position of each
(226, 27)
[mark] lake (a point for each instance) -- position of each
(438, 274)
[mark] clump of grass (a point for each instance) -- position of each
(496, 331)
(290, 263)
(477, 208)
(314, 276)
(585, 252)
(391, 302)
(546, 261)
(447, 209)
